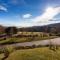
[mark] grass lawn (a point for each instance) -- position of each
(1, 56)
(42, 53)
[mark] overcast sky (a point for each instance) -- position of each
(25, 13)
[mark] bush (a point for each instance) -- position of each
(34, 46)
(18, 47)
(1, 50)
(58, 34)
(24, 47)
(6, 54)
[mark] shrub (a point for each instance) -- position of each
(34, 46)
(18, 47)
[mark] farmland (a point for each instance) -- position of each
(26, 37)
(35, 54)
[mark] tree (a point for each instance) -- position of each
(53, 31)
(11, 30)
(2, 29)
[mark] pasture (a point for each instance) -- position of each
(26, 37)
(43, 53)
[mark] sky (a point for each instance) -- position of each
(26, 13)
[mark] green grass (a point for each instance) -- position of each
(1, 56)
(3, 50)
(35, 54)
(24, 39)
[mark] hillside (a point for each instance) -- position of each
(46, 28)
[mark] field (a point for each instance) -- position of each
(35, 54)
(27, 52)
(26, 37)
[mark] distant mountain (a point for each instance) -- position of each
(46, 28)
(52, 28)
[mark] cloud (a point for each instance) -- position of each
(49, 14)
(2, 8)
(27, 16)
(46, 18)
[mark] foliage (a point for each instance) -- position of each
(24, 39)
(11, 30)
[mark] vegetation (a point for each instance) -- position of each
(5, 52)
(2, 29)
(11, 30)
(1, 56)
(8, 50)
(24, 39)
(35, 54)
(52, 28)
(27, 52)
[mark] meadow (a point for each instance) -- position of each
(29, 53)
(27, 37)
(43, 53)
(10, 52)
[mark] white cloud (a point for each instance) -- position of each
(49, 14)
(27, 16)
(43, 19)
(2, 8)
(46, 18)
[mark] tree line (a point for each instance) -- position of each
(52, 29)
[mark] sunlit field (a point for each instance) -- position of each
(35, 54)
(27, 37)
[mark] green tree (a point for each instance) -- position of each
(11, 30)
